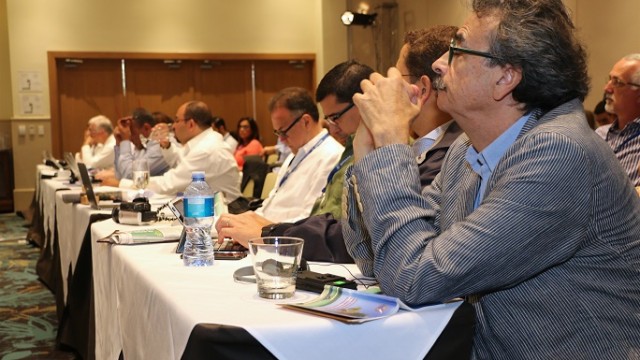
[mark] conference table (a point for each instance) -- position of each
(140, 301)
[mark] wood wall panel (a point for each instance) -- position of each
(90, 88)
(226, 87)
(157, 86)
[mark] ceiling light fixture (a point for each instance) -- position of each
(350, 18)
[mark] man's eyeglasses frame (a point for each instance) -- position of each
(283, 133)
(332, 118)
(453, 49)
(617, 83)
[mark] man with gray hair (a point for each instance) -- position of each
(531, 219)
(97, 148)
(622, 97)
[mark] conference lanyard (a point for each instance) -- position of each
(334, 171)
(291, 170)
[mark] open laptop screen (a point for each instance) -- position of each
(88, 186)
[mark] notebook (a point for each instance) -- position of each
(227, 250)
(114, 196)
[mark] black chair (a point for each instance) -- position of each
(255, 168)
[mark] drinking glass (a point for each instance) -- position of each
(276, 261)
(140, 174)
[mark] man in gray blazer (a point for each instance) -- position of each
(531, 219)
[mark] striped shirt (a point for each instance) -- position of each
(550, 259)
(626, 145)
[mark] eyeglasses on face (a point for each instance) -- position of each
(453, 49)
(617, 83)
(283, 133)
(332, 118)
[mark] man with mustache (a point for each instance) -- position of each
(531, 218)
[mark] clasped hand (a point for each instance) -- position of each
(387, 107)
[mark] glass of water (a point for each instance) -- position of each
(276, 260)
(140, 174)
(161, 132)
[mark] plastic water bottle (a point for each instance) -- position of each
(198, 213)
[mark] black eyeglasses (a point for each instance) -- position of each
(332, 118)
(283, 133)
(453, 49)
(617, 83)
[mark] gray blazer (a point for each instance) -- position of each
(550, 259)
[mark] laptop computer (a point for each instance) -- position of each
(227, 250)
(93, 198)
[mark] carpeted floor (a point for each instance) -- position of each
(27, 309)
(12, 227)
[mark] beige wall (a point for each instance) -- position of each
(5, 73)
(610, 31)
(27, 152)
(190, 26)
(333, 36)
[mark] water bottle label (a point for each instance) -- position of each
(198, 207)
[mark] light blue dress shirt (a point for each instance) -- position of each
(483, 163)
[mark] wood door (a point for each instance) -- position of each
(273, 76)
(86, 88)
(159, 85)
(226, 87)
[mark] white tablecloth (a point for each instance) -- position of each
(158, 301)
(48, 189)
(72, 222)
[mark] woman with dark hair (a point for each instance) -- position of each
(248, 140)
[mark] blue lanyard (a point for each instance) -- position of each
(334, 171)
(291, 170)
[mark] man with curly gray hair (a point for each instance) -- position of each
(532, 219)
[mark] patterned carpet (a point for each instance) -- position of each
(27, 309)
(12, 227)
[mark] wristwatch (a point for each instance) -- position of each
(266, 230)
